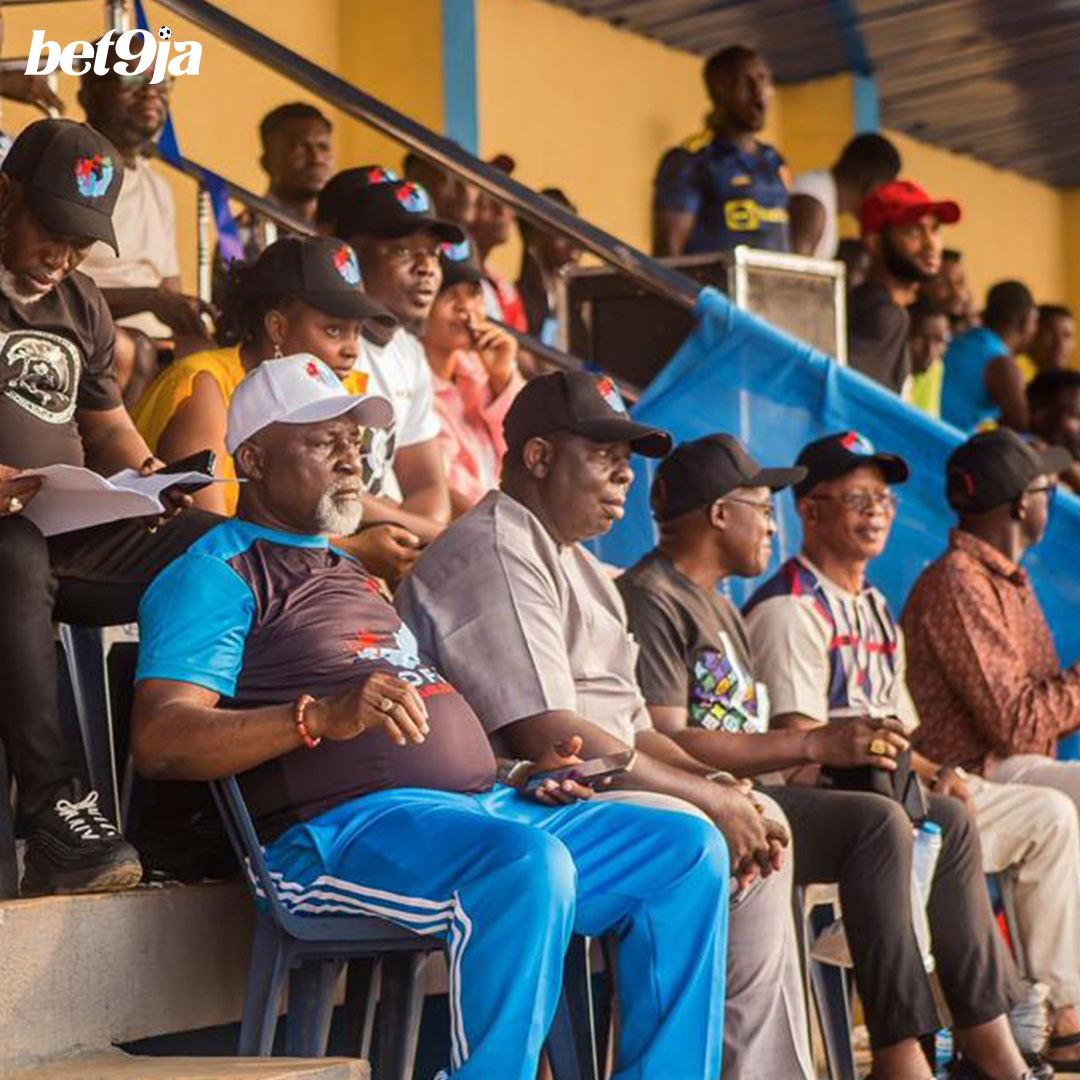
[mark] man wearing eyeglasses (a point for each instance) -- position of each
(829, 650)
(714, 507)
(991, 690)
(141, 284)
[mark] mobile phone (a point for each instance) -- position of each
(202, 461)
(589, 773)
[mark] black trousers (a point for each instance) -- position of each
(863, 842)
(92, 577)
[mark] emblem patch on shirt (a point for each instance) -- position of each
(376, 454)
(39, 372)
(93, 175)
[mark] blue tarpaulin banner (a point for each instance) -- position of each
(737, 374)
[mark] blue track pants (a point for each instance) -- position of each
(505, 881)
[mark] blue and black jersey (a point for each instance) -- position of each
(736, 196)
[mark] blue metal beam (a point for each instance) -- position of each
(460, 121)
(867, 101)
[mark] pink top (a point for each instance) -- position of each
(472, 425)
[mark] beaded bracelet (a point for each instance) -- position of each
(298, 718)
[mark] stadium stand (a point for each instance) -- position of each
(177, 975)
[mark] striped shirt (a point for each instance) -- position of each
(825, 652)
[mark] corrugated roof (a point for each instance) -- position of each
(998, 79)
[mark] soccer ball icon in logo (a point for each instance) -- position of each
(164, 33)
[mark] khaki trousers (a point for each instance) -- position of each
(765, 1025)
(1032, 833)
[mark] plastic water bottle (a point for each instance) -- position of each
(943, 1053)
(924, 857)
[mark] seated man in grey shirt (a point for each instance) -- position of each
(531, 630)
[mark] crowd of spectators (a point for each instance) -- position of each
(384, 617)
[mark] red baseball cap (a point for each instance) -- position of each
(900, 202)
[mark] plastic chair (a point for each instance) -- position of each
(85, 653)
(826, 988)
(314, 950)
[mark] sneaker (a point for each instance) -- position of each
(73, 848)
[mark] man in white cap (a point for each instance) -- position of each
(372, 783)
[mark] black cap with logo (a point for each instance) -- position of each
(844, 452)
(392, 209)
(339, 189)
(460, 263)
(993, 468)
(71, 176)
(581, 404)
(699, 472)
(322, 272)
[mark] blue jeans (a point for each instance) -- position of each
(505, 881)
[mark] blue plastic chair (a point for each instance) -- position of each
(312, 950)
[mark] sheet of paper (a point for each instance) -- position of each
(76, 498)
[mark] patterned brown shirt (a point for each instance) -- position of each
(982, 666)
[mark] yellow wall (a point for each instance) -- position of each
(582, 106)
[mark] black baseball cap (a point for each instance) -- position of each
(841, 453)
(339, 189)
(699, 472)
(581, 404)
(460, 263)
(71, 176)
(320, 271)
(392, 209)
(995, 467)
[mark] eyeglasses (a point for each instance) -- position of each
(767, 508)
(863, 502)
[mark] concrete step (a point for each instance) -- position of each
(80, 973)
(115, 1065)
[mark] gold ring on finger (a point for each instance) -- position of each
(879, 747)
(386, 704)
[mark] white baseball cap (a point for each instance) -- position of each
(298, 389)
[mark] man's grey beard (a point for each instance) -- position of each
(9, 289)
(334, 519)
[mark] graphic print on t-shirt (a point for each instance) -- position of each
(39, 372)
(375, 456)
(399, 649)
(722, 696)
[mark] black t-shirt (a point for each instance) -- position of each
(56, 356)
(261, 617)
(694, 649)
(877, 336)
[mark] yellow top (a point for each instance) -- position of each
(175, 385)
(1027, 366)
(925, 392)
